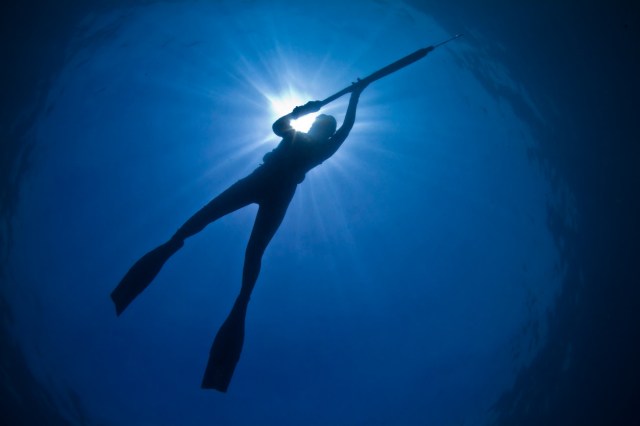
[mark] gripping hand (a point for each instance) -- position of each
(308, 108)
(358, 86)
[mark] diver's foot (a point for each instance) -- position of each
(142, 273)
(226, 349)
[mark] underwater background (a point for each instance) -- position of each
(468, 257)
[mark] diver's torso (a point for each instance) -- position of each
(293, 157)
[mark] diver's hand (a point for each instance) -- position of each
(358, 86)
(308, 108)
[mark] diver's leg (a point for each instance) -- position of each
(145, 270)
(267, 222)
(238, 195)
(227, 345)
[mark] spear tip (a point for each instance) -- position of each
(447, 41)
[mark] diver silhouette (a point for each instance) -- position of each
(272, 186)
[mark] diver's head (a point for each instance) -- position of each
(323, 127)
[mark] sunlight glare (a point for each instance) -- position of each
(284, 105)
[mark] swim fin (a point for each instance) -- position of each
(226, 349)
(142, 273)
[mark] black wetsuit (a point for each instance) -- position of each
(272, 186)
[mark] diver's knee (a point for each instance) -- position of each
(178, 238)
(252, 259)
(254, 252)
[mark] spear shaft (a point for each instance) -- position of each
(389, 69)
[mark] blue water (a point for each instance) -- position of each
(421, 276)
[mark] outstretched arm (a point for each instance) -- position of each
(341, 134)
(282, 126)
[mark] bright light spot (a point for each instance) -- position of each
(284, 105)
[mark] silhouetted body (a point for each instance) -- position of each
(272, 186)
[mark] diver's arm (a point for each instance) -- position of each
(282, 125)
(341, 134)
